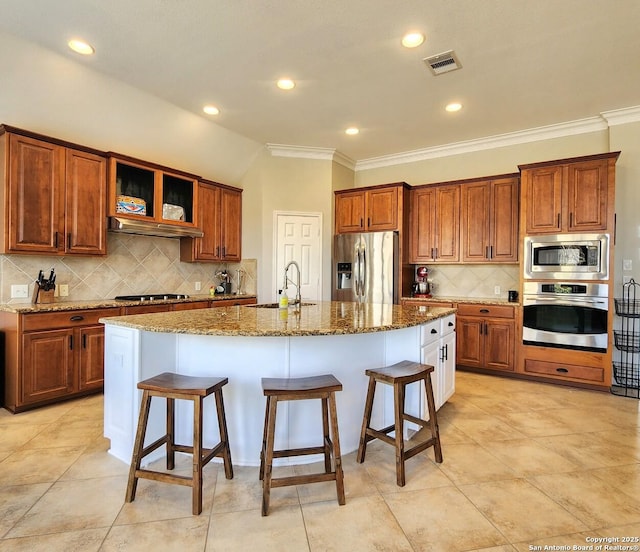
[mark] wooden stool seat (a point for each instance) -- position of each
(321, 387)
(171, 387)
(399, 376)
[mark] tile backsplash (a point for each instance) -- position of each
(473, 280)
(135, 264)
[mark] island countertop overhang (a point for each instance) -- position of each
(320, 318)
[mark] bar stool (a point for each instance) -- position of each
(276, 390)
(176, 386)
(400, 375)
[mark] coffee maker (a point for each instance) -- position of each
(421, 284)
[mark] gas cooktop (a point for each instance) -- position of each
(151, 297)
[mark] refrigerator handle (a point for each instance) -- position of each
(363, 273)
(356, 273)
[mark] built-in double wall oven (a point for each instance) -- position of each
(565, 298)
(567, 315)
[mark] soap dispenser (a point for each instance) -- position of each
(284, 299)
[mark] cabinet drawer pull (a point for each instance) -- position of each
(484, 311)
(84, 341)
(562, 370)
(433, 330)
(71, 343)
(450, 324)
(76, 318)
(69, 240)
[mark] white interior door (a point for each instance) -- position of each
(299, 238)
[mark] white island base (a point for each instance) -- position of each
(132, 355)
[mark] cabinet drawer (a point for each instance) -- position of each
(191, 305)
(541, 367)
(233, 302)
(147, 309)
(66, 319)
(486, 311)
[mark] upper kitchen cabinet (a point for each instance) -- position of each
(54, 195)
(569, 195)
(220, 218)
(435, 224)
(490, 212)
(144, 191)
(374, 209)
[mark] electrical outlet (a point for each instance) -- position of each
(198, 286)
(63, 290)
(496, 290)
(627, 264)
(19, 291)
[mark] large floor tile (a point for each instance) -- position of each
(25, 467)
(528, 457)
(184, 534)
(363, 523)
(625, 478)
(247, 530)
(486, 427)
(471, 464)
(73, 505)
(534, 423)
(14, 436)
(571, 541)
(521, 511)
(16, 501)
(88, 540)
(442, 519)
(590, 499)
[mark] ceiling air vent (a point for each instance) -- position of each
(443, 63)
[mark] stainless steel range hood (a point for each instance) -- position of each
(150, 228)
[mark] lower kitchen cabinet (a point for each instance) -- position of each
(52, 356)
(486, 336)
(439, 351)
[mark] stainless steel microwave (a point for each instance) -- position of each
(567, 257)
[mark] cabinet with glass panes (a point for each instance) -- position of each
(139, 189)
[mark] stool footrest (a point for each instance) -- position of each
(298, 452)
(380, 434)
(302, 479)
(153, 446)
(164, 477)
(416, 420)
(419, 448)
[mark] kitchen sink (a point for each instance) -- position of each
(276, 305)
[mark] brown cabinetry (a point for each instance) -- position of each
(571, 195)
(374, 209)
(54, 196)
(490, 217)
(485, 337)
(435, 224)
(52, 356)
(220, 218)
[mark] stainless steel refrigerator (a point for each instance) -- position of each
(365, 267)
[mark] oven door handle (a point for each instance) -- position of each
(564, 301)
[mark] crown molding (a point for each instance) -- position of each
(622, 116)
(599, 123)
(582, 126)
(308, 152)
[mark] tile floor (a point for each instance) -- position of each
(526, 465)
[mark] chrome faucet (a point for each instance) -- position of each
(298, 299)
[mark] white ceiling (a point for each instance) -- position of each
(525, 63)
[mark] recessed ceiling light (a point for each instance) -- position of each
(285, 84)
(412, 40)
(81, 47)
(210, 110)
(454, 106)
(352, 131)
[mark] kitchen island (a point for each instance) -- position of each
(246, 343)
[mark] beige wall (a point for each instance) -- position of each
(284, 184)
(626, 139)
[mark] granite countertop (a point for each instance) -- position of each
(25, 308)
(321, 318)
(468, 300)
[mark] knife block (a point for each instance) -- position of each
(42, 295)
